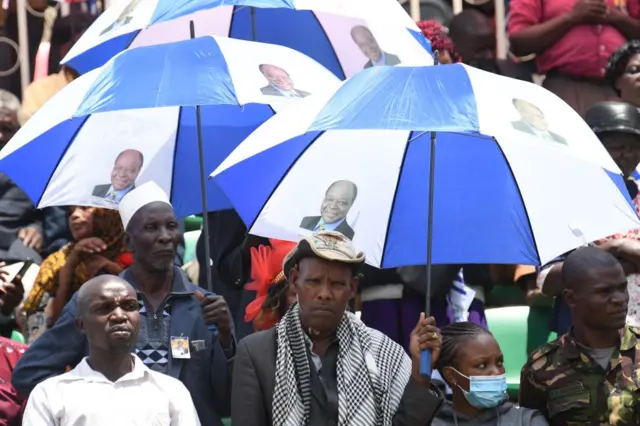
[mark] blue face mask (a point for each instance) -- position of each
(485, 391)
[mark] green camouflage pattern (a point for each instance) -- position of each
(570, 388)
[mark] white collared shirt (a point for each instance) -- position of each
(84, 397)
(286, 93)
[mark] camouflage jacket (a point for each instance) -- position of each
(570, 388)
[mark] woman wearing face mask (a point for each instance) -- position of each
(471, 362)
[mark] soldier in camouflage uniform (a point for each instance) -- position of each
(588, 376)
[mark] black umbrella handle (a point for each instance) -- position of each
(426, 355)
(203, 187)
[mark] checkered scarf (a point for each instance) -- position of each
(372, 372)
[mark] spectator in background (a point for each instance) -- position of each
(588, 375)
(573, 41)
(230, 263)
(171, 308)
(474, 38)
(9, 125)
(623, 72)
(66, 31)
(618, 126)
(472, 364)
(109, 318)
(9, 28)
(21, 235)
(97, 248)
(273, 293)
(438, 35)
(11, 403)
(12, 295)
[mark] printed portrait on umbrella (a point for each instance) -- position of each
(368, 45)
(124, 173)
(533, 121)
(125, 17)
(335, 206)
(280, 82)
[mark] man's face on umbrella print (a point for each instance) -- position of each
(277, 77)
(338, 201)
(126, 169)
(532, 115)
(367, 43)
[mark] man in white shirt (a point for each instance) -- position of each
(110, 386)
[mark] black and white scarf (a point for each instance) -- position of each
(372, 372)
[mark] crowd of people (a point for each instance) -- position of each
(117, 330)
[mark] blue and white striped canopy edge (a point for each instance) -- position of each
(519, 177)
(68, 153)
(321, 29)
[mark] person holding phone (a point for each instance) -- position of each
(96, 248)
(11, 294)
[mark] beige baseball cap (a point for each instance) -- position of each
(329, 245)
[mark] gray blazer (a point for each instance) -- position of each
(253, 384)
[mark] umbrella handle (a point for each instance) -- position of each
(425, 363)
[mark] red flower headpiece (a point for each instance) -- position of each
(438, 35)
(266, 270)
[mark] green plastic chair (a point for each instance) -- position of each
(514, 327)
(17, 336)
(509, 326)
(190, 241)
(192, 223)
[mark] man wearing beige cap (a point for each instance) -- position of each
(321, 365)
(173, 313)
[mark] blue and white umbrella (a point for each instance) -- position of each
(340, 34)
(134, 120)
(519, 176)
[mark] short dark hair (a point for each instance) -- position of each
(453, 336)
(135, 150)
(261, 66)
(354, 187)
(618, 61)
(579, 266)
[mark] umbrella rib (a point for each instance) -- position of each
(395, 195)
(524, 205)
(175, 151)
(326, 36)
(64, 152)
(283, 177)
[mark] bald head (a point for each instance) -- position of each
(96, 287)
(584, 265)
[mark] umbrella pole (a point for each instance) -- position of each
(425, 356)
(203, 187)
(252, 11)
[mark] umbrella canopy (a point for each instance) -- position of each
(342, 35)
(519, 176)
(133, 121)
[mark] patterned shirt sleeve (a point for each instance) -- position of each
(531, 394)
